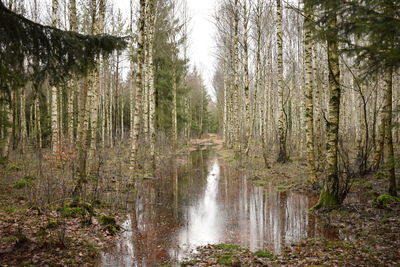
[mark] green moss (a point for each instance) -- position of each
(380, 175)
(112, 229)
(11, 239)
(10, 210)
(104, 220)
(73, 212)
(283, 188)
(385, 201)
(386, 218)
(110, 224)
(52, 224)
(264, 254)
(260, 183)
(326, 200)
(3, 161)
(12, 168)
(387, 197)
(86, 208)
(370, 193)
(226, 246)
(22, 183)
(227, 260)
(91, 247)
(30, 177)
(189, 262)
(15, 239)
(338, 244)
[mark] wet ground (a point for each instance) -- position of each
(206, 201)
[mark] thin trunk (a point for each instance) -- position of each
(38, 127)
(282, 157)
(388, 111)
(55, 136)
(318, 107)
(235, 103)
(8, 126)
(131, 98)
(152, 92)
(72, 83)
(24, 134)
(122, 119)
(380, 146)
(93, 94)
(257, 83)
(246, 75)
(225, 118)
(174, 104)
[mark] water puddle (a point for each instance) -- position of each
(206, 201)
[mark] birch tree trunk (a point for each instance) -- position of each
(257, 85)
(72, 82)
(330, 194)
(139, 87)
(318, 109)
(55, 135)
(93, 94)
(82, 131)
(282, 156)
(225, 116)
(309, 114)
(152, 93)
(235, 103)
(246, 75)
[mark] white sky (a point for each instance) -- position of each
(201, 36)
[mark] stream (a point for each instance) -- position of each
(206, 201)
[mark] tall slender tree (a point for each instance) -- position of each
(282, 124)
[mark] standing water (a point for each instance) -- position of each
(206, 201)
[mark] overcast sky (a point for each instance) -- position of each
(201, 35)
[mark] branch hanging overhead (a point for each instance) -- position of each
(32, 52)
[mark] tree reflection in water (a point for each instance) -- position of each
(207, 201)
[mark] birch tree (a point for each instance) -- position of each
(312, 177)
(139, 77)
(55, 134)
(282, 130)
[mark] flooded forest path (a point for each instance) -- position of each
(207, 201)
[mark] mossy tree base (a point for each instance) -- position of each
(326, 200)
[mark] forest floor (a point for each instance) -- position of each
(50, 233)
(367, 225)
(368, 230)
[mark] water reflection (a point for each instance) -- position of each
(203, 221)
(123, 254)
(206, 201)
